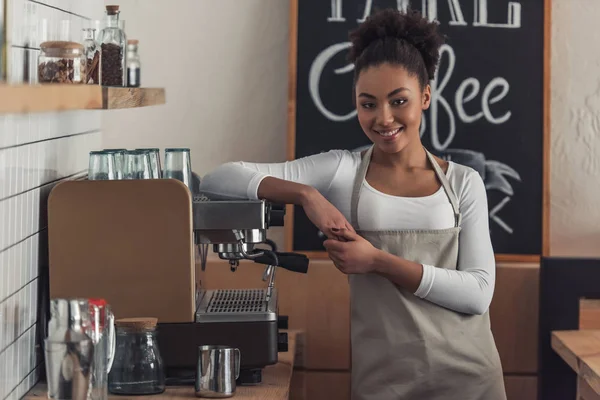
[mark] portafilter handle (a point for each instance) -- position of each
(294, 262)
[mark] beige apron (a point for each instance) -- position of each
(404, 347)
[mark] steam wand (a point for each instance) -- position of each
(271, 268)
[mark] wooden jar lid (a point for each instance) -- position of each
(112, 9)
(137, 323)
(62, 45)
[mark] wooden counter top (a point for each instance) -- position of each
(581, 350)
(275, 385)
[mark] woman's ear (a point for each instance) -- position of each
(426, 97)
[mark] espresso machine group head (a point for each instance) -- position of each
(235, 227)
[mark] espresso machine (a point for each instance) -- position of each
(243, 318)
(134, 244)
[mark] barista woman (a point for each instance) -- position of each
(410, 229)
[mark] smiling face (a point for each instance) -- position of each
(390, 102)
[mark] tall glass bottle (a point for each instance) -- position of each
(133, 64)
(112, 41)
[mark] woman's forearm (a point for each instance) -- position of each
(404, 273)
(318, 209)
(284, 192)
(464, 291)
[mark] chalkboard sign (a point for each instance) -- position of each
(489, 105)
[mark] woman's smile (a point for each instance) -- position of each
(389, 135)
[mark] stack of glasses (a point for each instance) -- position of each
(122, 164)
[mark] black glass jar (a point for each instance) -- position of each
(137, 367)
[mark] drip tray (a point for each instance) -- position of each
(237, 301)
(236, 305)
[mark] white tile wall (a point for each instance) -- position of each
(36, 152)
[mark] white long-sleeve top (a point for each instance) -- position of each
(468, 289)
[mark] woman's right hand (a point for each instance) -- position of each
(324, 215)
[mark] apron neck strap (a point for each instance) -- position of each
(362, 173)
(358, 180)
(447, 187)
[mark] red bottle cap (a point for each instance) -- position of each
(100, 303)
(97, 302)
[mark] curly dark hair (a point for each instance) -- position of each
(398, 38)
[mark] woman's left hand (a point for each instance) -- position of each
(352, 254)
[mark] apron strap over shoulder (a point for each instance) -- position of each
(447, 187)
(358, 180)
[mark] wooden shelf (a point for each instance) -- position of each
(15, 99)
(115, 98)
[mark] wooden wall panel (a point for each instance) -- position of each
(328, 318)
(327, 385)
(298, 385)
(521, 387)
(589, 314)
(514, 317)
